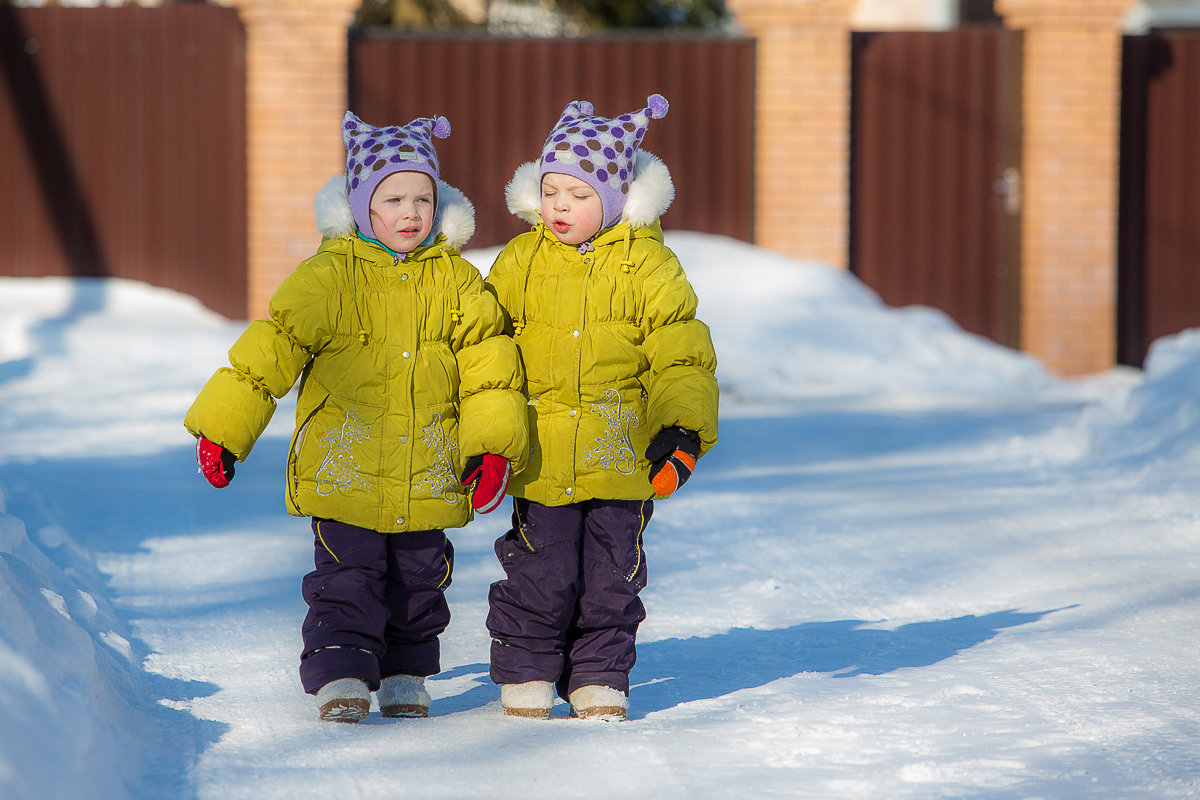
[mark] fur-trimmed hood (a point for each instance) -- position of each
(454, 219)
(650, 193)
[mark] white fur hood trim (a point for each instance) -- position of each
(650, 194)
(455, 218)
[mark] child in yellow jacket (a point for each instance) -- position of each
(622, 402)
(410, 397)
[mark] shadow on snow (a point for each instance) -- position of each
(672, 672)
(87, 296)
(675, 671)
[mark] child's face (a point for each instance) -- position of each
(570, 208)
(402, 210)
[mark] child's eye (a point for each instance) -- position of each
(581, 197)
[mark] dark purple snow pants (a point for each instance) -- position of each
(375, 604)
(568, 612)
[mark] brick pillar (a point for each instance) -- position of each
(296, 96)
(1071, 87)
(802, 125)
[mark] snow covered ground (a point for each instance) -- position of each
(916, 566)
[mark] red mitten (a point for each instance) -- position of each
(489, 473)
(216, 463)
(672, 455)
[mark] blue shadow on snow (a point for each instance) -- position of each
(675, 671)
(672, 672)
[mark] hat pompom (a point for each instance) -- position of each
(441, 127)
(657, 106)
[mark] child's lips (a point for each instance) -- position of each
(561, 226)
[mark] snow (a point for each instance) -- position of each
(916, 566)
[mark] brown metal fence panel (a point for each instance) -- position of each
(1159, 232)
(502, 96)
(935, 173)
(123, 147)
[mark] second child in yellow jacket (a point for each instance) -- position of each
(623, 396)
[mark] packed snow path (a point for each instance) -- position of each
(915, 566)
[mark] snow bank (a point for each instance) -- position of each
(81, 716)
(796, 330)
(70, 693)
(1157, 419)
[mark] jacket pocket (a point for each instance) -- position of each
(336, 459)
(437, 462)
(298, 439)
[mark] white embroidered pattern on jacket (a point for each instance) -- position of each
(439, 480)
(613, 449)
(338, 471)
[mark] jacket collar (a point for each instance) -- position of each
(650, 193)
(453, 223)
(613, 235)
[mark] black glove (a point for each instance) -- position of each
(672, 455)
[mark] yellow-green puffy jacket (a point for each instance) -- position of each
(405, 374)
(612, 349)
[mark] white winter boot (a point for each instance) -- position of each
(403, 696)
(532, 699)
(344, 700)
(599, 702)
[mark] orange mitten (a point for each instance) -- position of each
(672, 456)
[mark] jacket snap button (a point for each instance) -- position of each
(572, 413)
(404, 277)
(570, 490)
(575, 333)
(399, 520)
(406, 354)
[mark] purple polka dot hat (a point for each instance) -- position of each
(600, 152)
(373, 153)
